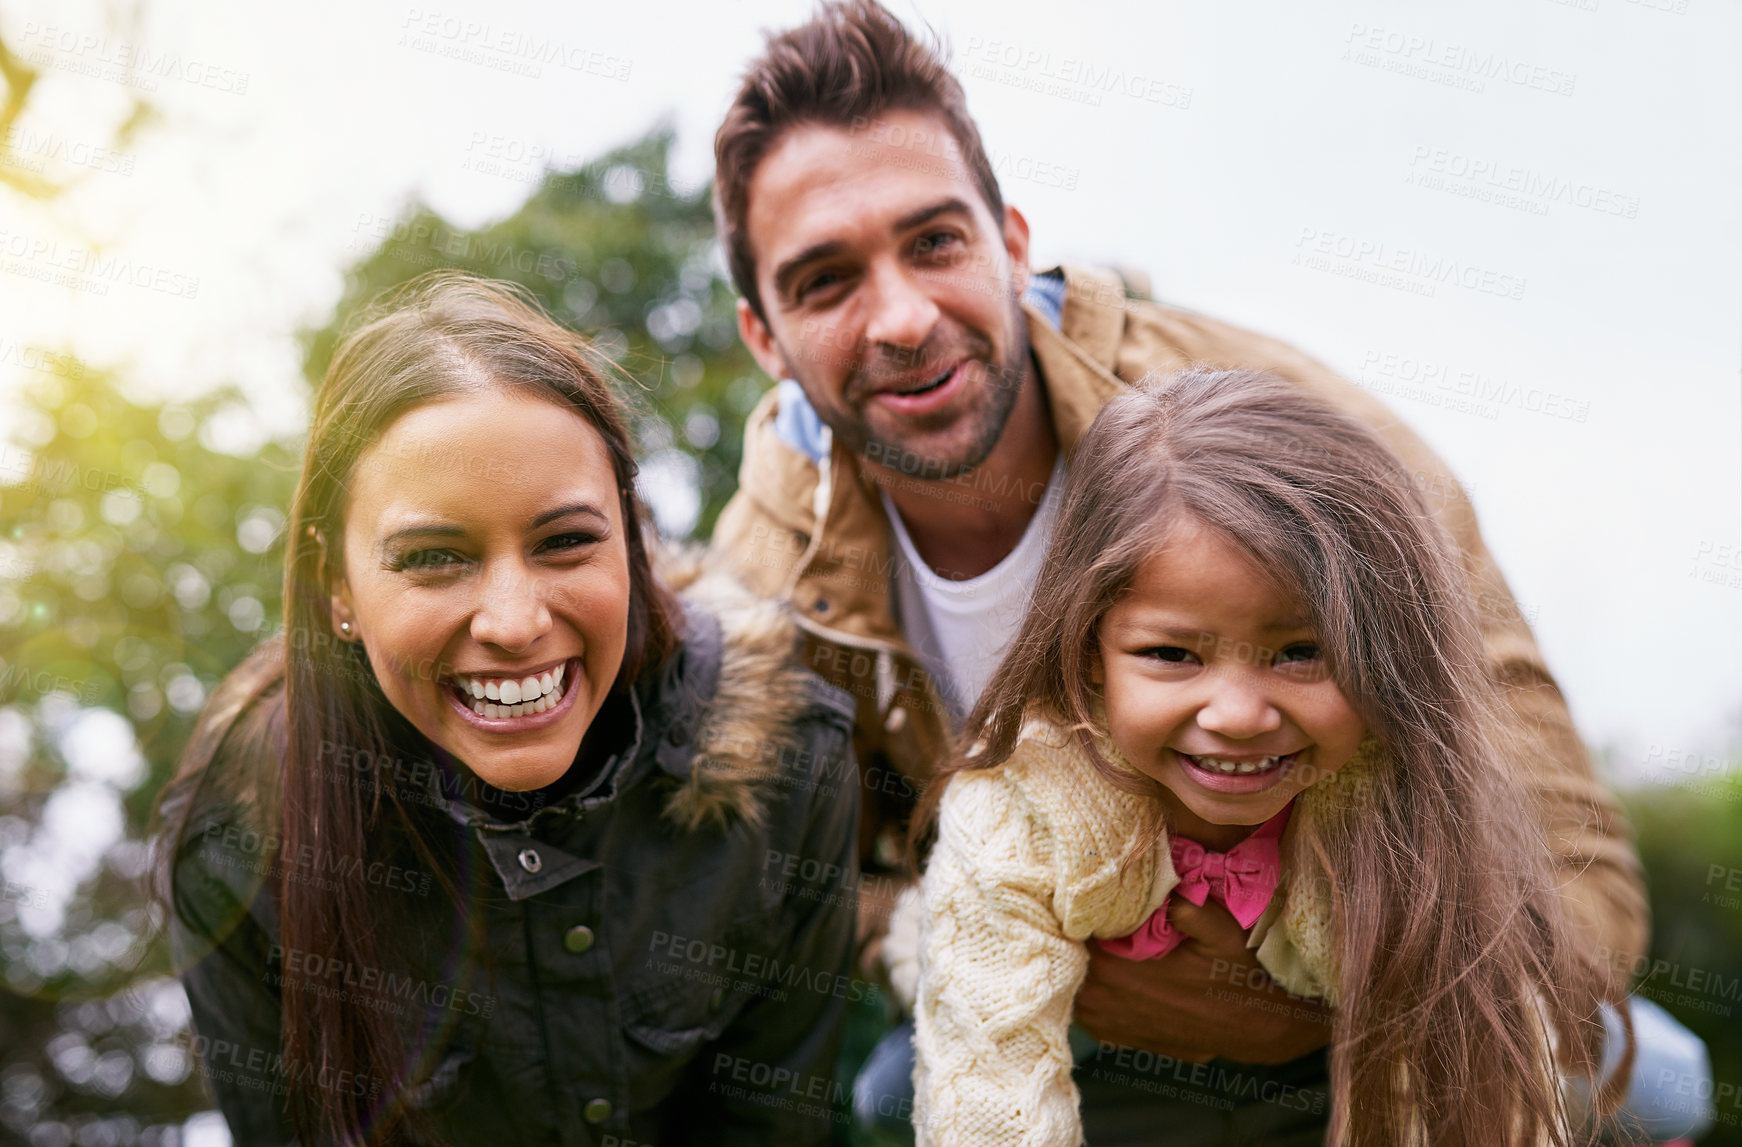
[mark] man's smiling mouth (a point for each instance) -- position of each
(926, 385)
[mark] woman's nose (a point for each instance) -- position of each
(511, 611)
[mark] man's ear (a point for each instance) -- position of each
(760, 340)
(1016, 246)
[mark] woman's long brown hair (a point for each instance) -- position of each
(439, 335)
(1455, 957)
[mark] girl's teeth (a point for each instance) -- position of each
(1235, 768)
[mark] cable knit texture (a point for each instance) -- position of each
(1024, 872)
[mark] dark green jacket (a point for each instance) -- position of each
(668, 952)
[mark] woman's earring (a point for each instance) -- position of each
(345, 628)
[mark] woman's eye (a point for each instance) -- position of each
(568, 541)
(429, 560)
(1302, 651)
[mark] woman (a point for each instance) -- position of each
(492, 844)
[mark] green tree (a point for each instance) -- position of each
(1690, 839)
(137, 565)
(619, 252)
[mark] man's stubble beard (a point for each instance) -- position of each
(1004, 386)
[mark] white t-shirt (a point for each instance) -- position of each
(960, 630)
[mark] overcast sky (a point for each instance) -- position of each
(1516, 220)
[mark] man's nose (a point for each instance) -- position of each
(902, 314)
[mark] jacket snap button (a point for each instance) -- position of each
(578, 939)
(530, 860)
(822, 605)
(597, 1110)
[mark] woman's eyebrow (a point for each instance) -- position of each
(438, 529)
(423, 530)
(565, 511)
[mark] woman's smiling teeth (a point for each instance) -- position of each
(1234, 768)
(512, 696)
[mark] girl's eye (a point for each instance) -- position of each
(1173, 654)
(1304, 661)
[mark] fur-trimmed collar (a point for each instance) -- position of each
(748, 724)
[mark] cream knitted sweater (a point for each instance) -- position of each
(1024, 872)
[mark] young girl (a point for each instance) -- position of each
(1251, 674)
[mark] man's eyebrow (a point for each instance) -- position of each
(926, 214)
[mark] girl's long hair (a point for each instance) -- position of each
(1455, 958)
(305, 696)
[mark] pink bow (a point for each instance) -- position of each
(1244, 878)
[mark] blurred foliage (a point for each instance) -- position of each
(1690, 838)
(137, 565)
(616, 251)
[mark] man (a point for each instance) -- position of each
(898, 485)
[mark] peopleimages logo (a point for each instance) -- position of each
(1494, 180)
(1420, 272)
(122, 61)
(1448, 62)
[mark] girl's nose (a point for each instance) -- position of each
(1239, 710)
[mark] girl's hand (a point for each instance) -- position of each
(1209, 997)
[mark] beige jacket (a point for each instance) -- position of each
(817, 536)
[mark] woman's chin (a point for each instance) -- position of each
(520, 777)
(511, 768)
